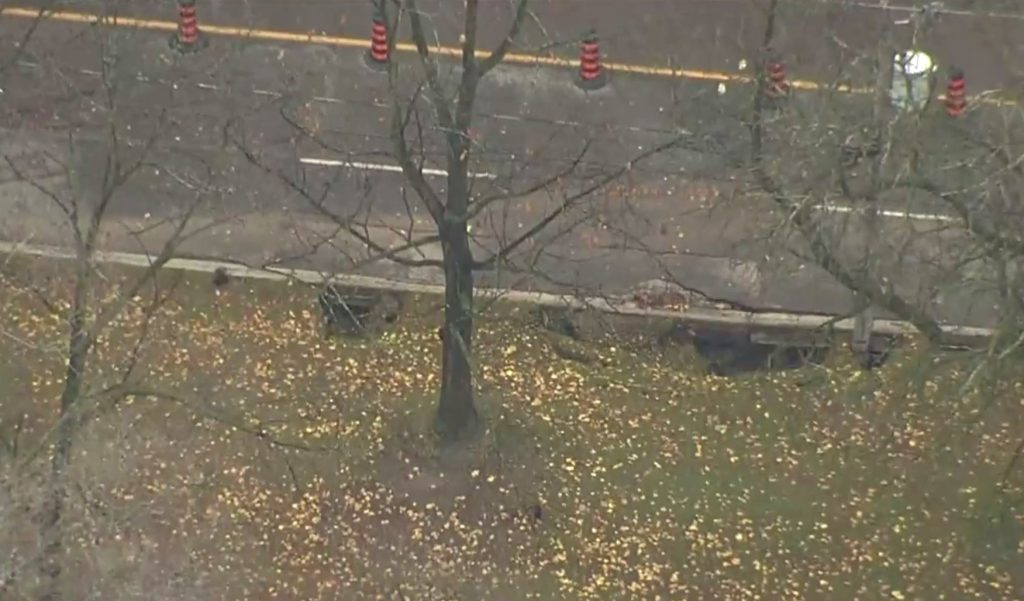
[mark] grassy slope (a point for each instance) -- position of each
(654, 480)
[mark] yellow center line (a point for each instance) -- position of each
(348, 42)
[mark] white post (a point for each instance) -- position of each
(862, 326)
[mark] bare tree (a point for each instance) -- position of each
(913, 206)
(88, 179)
(434, 105)
(835, 165)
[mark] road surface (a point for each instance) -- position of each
(712, 36)
(670, 217)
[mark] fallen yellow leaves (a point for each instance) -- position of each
(650, 482)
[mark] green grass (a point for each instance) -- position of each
(655, 480)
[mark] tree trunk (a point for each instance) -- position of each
(50, 527)
(456, 412)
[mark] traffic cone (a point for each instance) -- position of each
(956, 94)
(187, 38)
(592, 75)
(776, 86)
(378, 56)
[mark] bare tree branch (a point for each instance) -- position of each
(498, 55)
(479, 205)
(412, 171)
(568, 202)
(801, 213)
(444, 115)
(346, 223)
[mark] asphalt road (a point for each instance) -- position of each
(668, 219)
(710, 35)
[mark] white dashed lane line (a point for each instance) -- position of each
(891, 213)
(384, 167)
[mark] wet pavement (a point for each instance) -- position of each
(676, 216)
(710, 35)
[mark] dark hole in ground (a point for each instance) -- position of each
(558, 321)
(877, 352)
(344, 313)
(220, 277)
(733, 353)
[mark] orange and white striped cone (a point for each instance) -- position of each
(188, 37)
(956, 94)
(592, 75)
(776, 85)
(379, 54)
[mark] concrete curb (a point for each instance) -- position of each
(763, 323)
